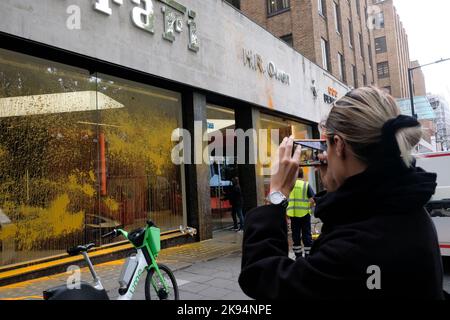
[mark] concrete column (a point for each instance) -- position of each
(198, 201)
(252, 183)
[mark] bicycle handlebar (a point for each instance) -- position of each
(117, 232)
(113, 233)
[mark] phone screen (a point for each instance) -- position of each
(311, 149)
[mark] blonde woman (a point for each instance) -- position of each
(377, 241)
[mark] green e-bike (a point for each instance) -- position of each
(160, 282)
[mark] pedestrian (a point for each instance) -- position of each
(237, 203)
(377, 240)
(299, 213)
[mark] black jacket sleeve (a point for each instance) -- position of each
(268, 273)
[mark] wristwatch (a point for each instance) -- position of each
(278, 199)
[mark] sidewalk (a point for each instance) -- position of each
(178, 258)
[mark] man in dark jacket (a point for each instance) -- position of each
(237, 204)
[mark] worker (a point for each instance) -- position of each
(299, 212)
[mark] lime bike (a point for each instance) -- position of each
(160, 282)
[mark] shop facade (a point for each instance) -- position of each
(91, 92)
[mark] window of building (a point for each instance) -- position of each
(288, 39)
(361, 45)
(387, 90)
(235, 3)
(220, 120)
(369, 48)
(341, 63)
(277, 6)
(383, 69)
(81, 153)
(358, 7)
(380, 45)
(337, 17)
(379, 20)
(366, 17)
(325, 54)
(322, 7)
(350, 34)
(279, 128)
(355, 76)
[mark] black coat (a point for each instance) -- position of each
(375, 219)
(236, 199)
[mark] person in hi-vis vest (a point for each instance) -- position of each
(299, 212)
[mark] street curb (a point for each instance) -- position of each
(54, 267)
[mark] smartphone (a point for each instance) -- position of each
(311, 149)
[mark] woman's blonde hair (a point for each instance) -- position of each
(359, 118)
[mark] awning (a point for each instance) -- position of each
(422, 108)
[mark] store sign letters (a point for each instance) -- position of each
(143, 17)
(331, 96)
(255, 62)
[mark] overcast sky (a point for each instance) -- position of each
(427, 23)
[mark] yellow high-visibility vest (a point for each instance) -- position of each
(299, 205)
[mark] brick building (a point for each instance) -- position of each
(333, 34)
(361, 42)
(392, 50)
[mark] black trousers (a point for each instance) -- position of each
(301, 230)
(237, 212)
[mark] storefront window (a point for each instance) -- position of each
(222, 167)
(77, 161)
(138, 180)
(285, 128)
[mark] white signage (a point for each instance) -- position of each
(256, 62)
(143, 16)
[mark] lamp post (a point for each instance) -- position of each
(410, 80)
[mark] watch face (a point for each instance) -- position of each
(276, 198)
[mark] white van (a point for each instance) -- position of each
(439, 206)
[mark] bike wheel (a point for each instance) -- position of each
(157, 291)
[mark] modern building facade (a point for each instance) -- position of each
(93, 95)
(442, 111)
(427, 118)
(334, 34)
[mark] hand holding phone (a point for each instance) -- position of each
(312, 151)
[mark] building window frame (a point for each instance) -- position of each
(355, 76)
(341, 65)
(322, 8)
(337, 18)
(351, 39)
(288, 39)
(358, 8)
(380, 45)
(280, 6)
(325, 54)
(361, 45)
(369, 49)
(383, 70)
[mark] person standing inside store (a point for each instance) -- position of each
(299, 212)
(377, 240)
(237, 204)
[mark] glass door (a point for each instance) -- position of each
(221, 126)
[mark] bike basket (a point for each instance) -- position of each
(154, 239)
